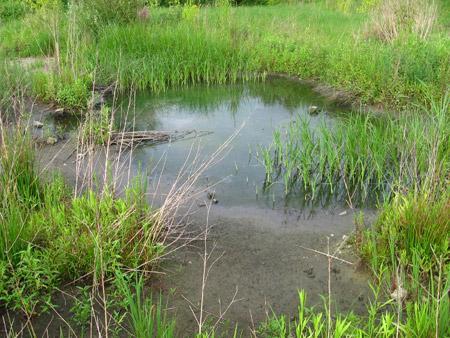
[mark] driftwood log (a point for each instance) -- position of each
(134, 138)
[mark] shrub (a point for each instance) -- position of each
(69, 92)
(395, 17)
(12, 9)
(28, 286)
(102, 12)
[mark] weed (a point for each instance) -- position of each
(147, 319)
(82, 308)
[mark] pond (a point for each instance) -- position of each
(252, 110)
(267, 245)
(263, 238)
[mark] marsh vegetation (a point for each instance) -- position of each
(95, 239)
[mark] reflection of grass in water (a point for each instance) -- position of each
(198, 99)
(362, 156)
(286, 92)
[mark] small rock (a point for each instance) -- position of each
(215, 201)
(37, 124)
(310, 272)
(313, 110)
(51, 140)
(59, 111)
(399, 294)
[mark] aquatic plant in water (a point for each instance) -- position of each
(362, 158)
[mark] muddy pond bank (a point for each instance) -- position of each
(260, 236)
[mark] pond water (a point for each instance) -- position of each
(263, 240)
(259, 236)
(254, 110)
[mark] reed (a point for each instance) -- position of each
(225, 44)
(362, 158)
(147, 319)
(422, 318)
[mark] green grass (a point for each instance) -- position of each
(48, 235)
(426, 318)
(161, 57)
(180, 46)
(28, 37)
(411, 232)
(147, 319)
(12, 9)
(362, 158)
(402, 162)
(307, 41)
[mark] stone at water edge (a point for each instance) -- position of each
(59, 111)
(38, 124)
(51, 140)
(313, 110)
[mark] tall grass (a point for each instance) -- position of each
(179, 46)
(159, 57)
(148, 319)
(20, 188)
(421, 319)
(27, 37)
(363, 157)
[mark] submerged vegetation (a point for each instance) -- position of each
(383, 52)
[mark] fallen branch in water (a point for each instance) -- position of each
(326, 255)
(133, 138)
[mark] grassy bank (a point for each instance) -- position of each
(51, 236)
(182, 45)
